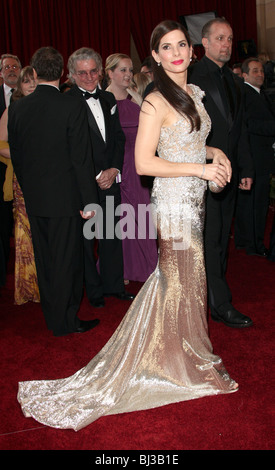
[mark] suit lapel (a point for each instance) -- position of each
(2, 100)
(215, 95)
(92, 122)
(238, 95)
(214, 92)
(106, 112)
(210, 85)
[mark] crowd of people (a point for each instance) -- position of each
(80, 158)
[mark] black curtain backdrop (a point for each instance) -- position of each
(107, 25)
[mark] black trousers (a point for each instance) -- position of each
(106, 275)
(219, 214)
(251, 214)
(6, 226)
(58, 250)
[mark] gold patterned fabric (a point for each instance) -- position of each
(161, 352)
(25, 276)
(7, 186)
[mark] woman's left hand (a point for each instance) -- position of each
(220, 158)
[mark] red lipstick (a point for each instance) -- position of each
(177, 62)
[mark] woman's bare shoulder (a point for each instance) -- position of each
(154, 102)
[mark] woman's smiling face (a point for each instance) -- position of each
(122, 75)
(174, 52)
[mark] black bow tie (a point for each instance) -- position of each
(88, 95)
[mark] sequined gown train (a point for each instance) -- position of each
(161, 352)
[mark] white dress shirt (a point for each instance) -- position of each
(8, 93)
(96, 109)
(252, 86)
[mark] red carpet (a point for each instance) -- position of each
(239, 421)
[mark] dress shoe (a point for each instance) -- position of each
(263, 253)
(86, 325)
(230, 317)
(97, 302)
(121, 295)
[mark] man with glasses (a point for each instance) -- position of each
(107, 137)
(10, 68)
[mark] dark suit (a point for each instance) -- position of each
(2, 100)
(6, 217)
(252, 206)
(51, 156)
(228, 133)
(107, 154)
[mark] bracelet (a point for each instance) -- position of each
(203, 170)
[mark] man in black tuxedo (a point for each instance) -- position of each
(10, 68)
(224, 104)
(108, 141)
(52, 159)
(252, 206)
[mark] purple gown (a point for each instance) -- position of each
(140, 254)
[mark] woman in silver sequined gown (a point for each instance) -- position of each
(161, 352)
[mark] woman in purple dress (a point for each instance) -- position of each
(139, 238)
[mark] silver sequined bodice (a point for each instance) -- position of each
(177, 144)
(174, 198)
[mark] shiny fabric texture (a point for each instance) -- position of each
(25, 276)
(161, 352)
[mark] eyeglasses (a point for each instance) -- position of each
(84, 74)
(13, 67)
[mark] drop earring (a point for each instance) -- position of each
(159, 64)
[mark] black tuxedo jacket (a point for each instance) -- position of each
(109, 154)
(260, 122)
(2, 100)
(3, 167)
(51, 153)
(232, 137)
(2, 109)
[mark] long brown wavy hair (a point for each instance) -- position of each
(26, 72)
(174, 94)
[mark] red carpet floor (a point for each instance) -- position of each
(238, 421)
